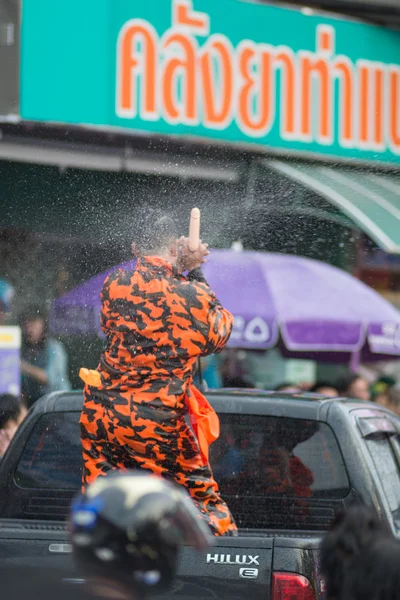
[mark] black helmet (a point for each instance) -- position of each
(128, 528)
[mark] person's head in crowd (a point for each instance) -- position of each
(380, 389)
(6, 296)
(360, 558)
(287, 387)
(353, 385)
(126, 532)
(233, 370)
(156, 236)
(325, 389)
(33, 323)
(391, 399)
(12, 413)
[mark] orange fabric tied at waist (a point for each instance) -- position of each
(90, 377)
(204, 419)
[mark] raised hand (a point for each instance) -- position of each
(191, 259)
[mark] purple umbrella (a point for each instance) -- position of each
(305, 305)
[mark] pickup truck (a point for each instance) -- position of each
(286, 465)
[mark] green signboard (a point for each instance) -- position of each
(228, 70)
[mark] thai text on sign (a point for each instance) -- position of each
(191, 77)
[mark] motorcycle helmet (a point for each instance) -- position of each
(128, 527)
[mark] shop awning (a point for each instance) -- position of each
(370, 200)
(68, 156)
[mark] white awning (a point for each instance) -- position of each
(370, 200)
(98, 159)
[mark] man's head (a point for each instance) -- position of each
(354, 386)
(156, 236)
(127, 530)
(33, 322)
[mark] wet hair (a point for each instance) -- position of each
(360, 557)
(322, 384)
(10, 409)
(344, 383)
(155, 233)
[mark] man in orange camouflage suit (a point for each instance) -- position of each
(157, 323)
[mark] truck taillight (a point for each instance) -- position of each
(289, 586)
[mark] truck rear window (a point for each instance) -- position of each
(52, 457)
(275, 473)
(279, 473)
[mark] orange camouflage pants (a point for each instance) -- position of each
(120, 434)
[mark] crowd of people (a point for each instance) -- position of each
(383, 391)
(44, 369)
(231, 370)
(44, 365)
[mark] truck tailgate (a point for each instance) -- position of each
(235, 568)
(34, 544)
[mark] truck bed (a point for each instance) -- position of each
(335, 452)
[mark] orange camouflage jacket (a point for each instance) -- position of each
(157, 323)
